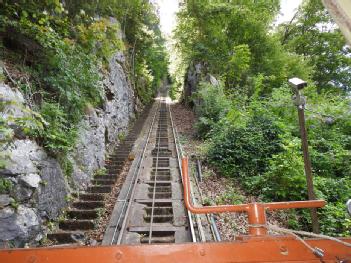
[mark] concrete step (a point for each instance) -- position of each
(82, 214)
(91, 197)
(72, 224)
(103, 182)
(83, 205)
(100, 189)
(64, 237)
(106, 177)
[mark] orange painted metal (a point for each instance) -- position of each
(257, 247)
(263, 249)
(256, 211)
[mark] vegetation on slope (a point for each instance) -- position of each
(249, 121)
(61, 50)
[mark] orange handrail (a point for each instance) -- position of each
(256, 211)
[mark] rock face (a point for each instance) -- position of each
(191, 82)
(195, 75)
(33, 188)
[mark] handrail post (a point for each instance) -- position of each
(257, 219)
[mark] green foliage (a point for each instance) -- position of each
(58, 135)
(231, 196)
(5, 185)
(244, 151)
(336, 192)
(284, 179)
(175, 90)
(313, 34)
(213, 106)
(251, 129)
(66, 47)
(66, 164)
(14, 204)
(100, 172)
(232, 40)
(99, 38)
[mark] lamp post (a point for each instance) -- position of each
(300, 101)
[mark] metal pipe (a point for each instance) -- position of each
(308, 167)
(300, 102)
(256, 211)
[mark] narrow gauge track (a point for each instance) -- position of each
(150, 208)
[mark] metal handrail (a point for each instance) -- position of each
(256, 211)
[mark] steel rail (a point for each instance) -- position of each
(132, 187)
(214, 230)
(155, 178)
(179, 157)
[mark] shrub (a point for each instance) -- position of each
(212, 106)
(333, 217)
(244, 151)
(59, 134)
(284, 179)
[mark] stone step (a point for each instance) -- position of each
(76, 224)
(82, 214)
(91, 197)
(115, 158)
(115, 165)
(106, 177)
(64, 237)
(100, 189)
(103, 182)
(83, 205)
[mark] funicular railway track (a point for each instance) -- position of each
(151, 209)
(150, 206)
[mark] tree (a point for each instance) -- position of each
(313, 34)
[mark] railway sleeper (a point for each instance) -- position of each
(161, 171)
(160, 195)
(159, 189)
(161, 145)
(160, 177)
(159, 210)
(158, 218)
(160, 162)
(162, 152)
(162, 139)
(157, 237)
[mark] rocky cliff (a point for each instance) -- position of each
(33, 187)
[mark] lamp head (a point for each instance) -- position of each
(297, 83)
